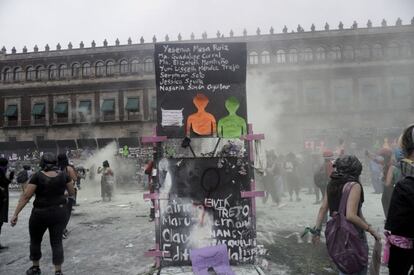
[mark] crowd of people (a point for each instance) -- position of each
(338, 188)
(333, 177)
(54, 181)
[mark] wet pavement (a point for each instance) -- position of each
(111, 237)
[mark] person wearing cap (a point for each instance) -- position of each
(107, 181)
(49, 211)
(400, 218)
(4, 194)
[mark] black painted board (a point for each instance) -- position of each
(212, 184)
(183, 70)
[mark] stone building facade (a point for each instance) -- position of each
(357, 77)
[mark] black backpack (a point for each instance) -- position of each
(22, 176)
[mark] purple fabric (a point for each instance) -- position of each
(397, 241)
(344, 242)
(215, 257)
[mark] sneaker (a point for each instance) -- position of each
(34, 270)
(58, 272)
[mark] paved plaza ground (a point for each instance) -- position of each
(111, 237)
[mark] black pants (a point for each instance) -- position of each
(51, 218)
(152, 208)
(401, 260)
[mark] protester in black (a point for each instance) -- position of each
(4, 194)
(49, 210)
(400, 219)
(271, 178)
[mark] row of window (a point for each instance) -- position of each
(336, 53)
(109, 68)
(84, 111)
(370, 97)
(77, 70)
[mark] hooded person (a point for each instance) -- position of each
(107, 181)
(49, 211)
(4, 194)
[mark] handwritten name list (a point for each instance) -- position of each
(197, 67)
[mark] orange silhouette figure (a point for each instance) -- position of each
(202, 123)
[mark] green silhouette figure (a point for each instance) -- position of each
(232, 126)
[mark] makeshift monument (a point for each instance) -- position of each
(205, 189)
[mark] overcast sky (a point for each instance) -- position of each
(30, 22)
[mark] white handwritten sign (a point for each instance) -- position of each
(172, 118)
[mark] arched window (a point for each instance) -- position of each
(335, 53)
(52, 72)
(135, 66)
(253, 58)
(17, 74)
(123, 67)
(349, 53)
(293, 56)
(40, 72)
(110, 67)
(363, 52)
(406, 49)
(86, 69)
(30, 73)
(148, 65)
(75, 70)
(99, 68)
(320, 54)
(308, 55)
(393, 50)
(281, 57)
(6, 75)
(62, 71)
(265, 57)
(377, 51)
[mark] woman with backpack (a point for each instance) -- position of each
(345, 184)
(49, 211)
(400, 219)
